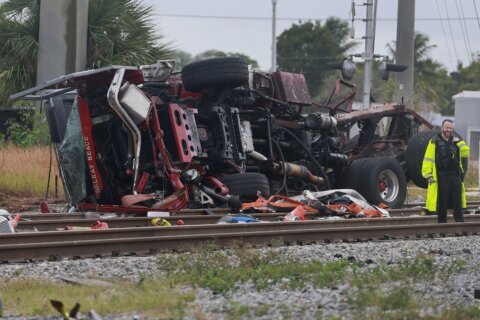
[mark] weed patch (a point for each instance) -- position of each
(236, 310)
(150, 298)
(220, 271)
(374, 303)
(388, 291)
(401, 302)
(378, 291)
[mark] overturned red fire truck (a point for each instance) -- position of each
(217, 133)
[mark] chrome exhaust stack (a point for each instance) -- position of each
(114, 101)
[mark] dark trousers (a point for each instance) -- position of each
(449, 196)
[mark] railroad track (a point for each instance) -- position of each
(112, 242)
(55, 221)
(145, 231)
(131, 235)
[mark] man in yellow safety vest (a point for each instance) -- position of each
(442, 167)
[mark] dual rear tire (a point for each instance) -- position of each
(417, 145)
(379, 180)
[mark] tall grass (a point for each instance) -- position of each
(471, 178)
(24, 171)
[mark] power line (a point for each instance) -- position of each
(476, 13)
(451, 32)
(444, 34)
(466, 31)
(326, 58)
(465, 24)
(194, 16)
(467, 45)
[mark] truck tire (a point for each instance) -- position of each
(379, 180)
(351, 174)
(246, 185)
(414, 156)
(383, 181)
(225, 72)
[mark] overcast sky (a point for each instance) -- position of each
(245, 25)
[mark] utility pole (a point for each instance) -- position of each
(62, 38)
(274, 35)
(405, 49)
(368, 55)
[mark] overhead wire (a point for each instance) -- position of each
(451, 32)
(445, 35)
(461, 18)
(466, 30)
(194, 16)
(476, 13)
(464, 33)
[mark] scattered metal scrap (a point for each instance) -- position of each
(345, 203)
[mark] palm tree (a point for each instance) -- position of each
(119, 32)
(432, 83)
(19, 21)
(421, 49)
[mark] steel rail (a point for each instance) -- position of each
(46, 222)
(78, 215)
(406, 211)
(149, 231)
(182, 215)
(125, 222)
(296, 234)
(423, 204)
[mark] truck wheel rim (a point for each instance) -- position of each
(388, 185)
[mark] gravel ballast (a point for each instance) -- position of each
(307, 303)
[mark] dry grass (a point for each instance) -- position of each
(471, 178)
(24, 171)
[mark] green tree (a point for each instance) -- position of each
(119, 32)
(36, 134)
(423, 64)
(19, 46)
(182, 58)
(421, 48)
(468, 78)
(432, 84)
(307, 46)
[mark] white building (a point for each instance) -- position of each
(467, 120)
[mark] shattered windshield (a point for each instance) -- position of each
(71, 157)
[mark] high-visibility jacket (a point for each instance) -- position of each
(429, 170)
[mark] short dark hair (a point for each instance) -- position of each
(447, 120)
